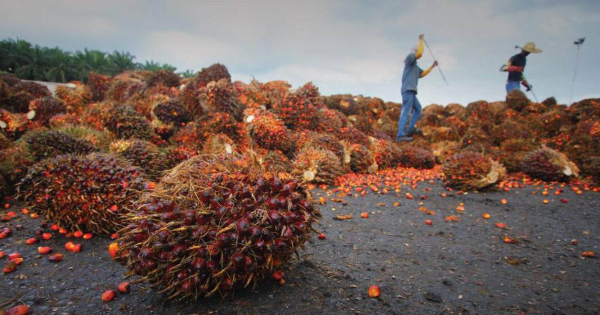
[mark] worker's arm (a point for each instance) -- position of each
(420, 48)
(526, 84)
(515, 69)
(426, 72)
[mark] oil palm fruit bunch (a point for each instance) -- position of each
(250, 95)
(142, 154)
(219, 144)
(86, 193)
(267, 130)
(219, 96)
(191, 91)
(44, 144)
(417, 157)
(61, 120)
(510, 130)
(172, 112)
(310, 92)
(591, 167)
(13, 125)
(14, 162)
(215, 72)
(275, 91)
(549, 165)
(99, 139)
(324, 141)
(472, 171)
(16, 102)
(4, 142)
(517, 100)
(125, 122)
(585, 109)
(192, 136)
(41, 110)
(352, 135)
(344, 103)
(273, 160)
(386, 153)
(364, 123)
(219, 122)
(35, 89)
(98, 85)
(215, 224)
(96, 115)
(165, 78)
(124, 88)
(316, 165)
(75, 99)
(330, 120)
(361, 159)
(297, 112)
(513, 151)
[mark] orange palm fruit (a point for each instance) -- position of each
(18, 310)
(374, 291)
(108, 295)
(123, 287)
(44, 250)
(113, 248)
(55, 258)
(364, 215)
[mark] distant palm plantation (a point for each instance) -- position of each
(33, 62)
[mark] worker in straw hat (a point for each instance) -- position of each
(410, 104)
(516, 66)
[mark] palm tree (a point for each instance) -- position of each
(60, 66)
(90, 60)
(188, 73)
(28, 61)
(121, 61)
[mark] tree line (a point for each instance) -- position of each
(34, 62)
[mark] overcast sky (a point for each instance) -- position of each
(343, 46)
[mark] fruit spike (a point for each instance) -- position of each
(241, 226)
(474, 171)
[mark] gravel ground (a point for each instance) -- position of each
(462, 267)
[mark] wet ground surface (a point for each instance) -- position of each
(462, 267)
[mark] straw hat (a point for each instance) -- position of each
(530, 48)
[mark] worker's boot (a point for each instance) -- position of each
(404, 139)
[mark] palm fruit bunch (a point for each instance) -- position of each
(513, 151)
(98, 85)
(99, 139)
(585, 109)
(296, 111)
(218, 96)
(478, 111)
(324, 141)
(41, 110)
(250, 95)
(550, 102)
(352, 135)
(457, 110)
(310, 92)
(591, 167)
(219, 122)
(142, 154)
(549, 165)
(510, 130)
(268, 131)
(444, 149)
(275, 91)
(273, 160)
(75, 99)
(472, 171)
(219, 144)
(125, 122)
(432, 115)
(124, 87)
(552, 122)
(192, 136)
(389, 126)
(215, 72)
(17, 102)
(517, 100)
(13, 125)
(191, 92)
(61, 120)
(85, 193)
(330, 120)
(172, 112)
(316, 165)
(413, 156)
(35, 89)
(364, 123)
(4, 142)
(361, 159)
(165, 78)
(14, 162)
(215, 224)
(96, 115)
(386, 153)
(344, 103)
(44, 144)
(177, 154)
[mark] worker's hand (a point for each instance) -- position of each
(435, 63)
(421, 36)
(527, 85)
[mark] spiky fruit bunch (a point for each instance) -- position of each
(191, 92)
(178, 154)
(213, 225)
(89, 193)
(591, 167)
(361, 159)
(311, 93)
(324, 141)
(552, 123)
(35, 89)
(586, 109)
(215, 72)
(194, 134)
(352, 135)
(98, 85)
(445, 149)
(75, 99)
(296, 111)
(437, 134)
(455, 110)
(17, 102)
(330, 120)
(142, 154)
(413, 156)
(364, 123)
(472, 171)
(550, 102)
(44, 144)
(4, 142)
(9, 79)
(550, 165)
(62, 120)
(14, 162)
(124, 88)
(99, 139)
(250, 95)
(218, 96)
(273, 160)
(165, 78)
(517, 100)
(125, 122)
(219, 144)
(43, 109)
(316, 165)
(276, 90)
(96, 115)
(172, 112)
(267, 130)
(344, 103)
(510, 130)
(386, 153)
(13, 125)
(388, 126)
(512, 152)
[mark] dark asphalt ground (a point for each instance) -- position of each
(460, 267)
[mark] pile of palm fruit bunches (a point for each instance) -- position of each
(205, 180)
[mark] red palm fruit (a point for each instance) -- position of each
(2, 254)
(123, 287)
(77, 248)
(198, 264)
(32, 240)
(113, 248)
(46, 236)
(44, 250)
(18, 310)
(322, 236)
(374, 291)
(243, 226)
(10, 266)
(54, 227)
(55, 258)
(108, 295)
(87, 236)
(78, 234)
(69, 246)
(14, 255)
